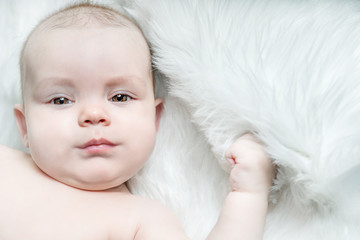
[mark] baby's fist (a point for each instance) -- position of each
(252, 169)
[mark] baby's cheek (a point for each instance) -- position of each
(146, 142)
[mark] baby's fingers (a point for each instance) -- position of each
(246, 149)
(252, 169)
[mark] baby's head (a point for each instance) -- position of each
(81, 16)
(89, 116)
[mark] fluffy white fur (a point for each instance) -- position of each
(287, 70)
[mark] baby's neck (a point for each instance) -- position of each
(122, 188)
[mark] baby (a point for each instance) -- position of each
(90, 120)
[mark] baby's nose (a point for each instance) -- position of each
(94, 116)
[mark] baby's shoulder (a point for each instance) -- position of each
(6, 150)
(150, 206)
(157, 221)
(9, 155)
(13, 163)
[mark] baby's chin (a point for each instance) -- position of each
(100, 179)
(95, 186)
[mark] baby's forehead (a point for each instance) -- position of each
(81, 16)
(47, 34)
(84, 19)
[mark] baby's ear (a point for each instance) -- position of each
(21, 123)
(159, 108)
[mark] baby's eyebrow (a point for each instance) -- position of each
(51, 82)
(129, 81)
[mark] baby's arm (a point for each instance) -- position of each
(244, 211)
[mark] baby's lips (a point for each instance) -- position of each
(97, 142)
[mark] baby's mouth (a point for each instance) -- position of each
(97, 146)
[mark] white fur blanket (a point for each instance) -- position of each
(287, 70)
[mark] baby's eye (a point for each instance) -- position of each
(61, 101)
(120, 98)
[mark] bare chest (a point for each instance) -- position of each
(31, 208)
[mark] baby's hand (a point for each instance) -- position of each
(252, 169)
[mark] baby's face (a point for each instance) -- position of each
(91, 116)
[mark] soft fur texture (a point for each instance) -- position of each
(287, 70)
